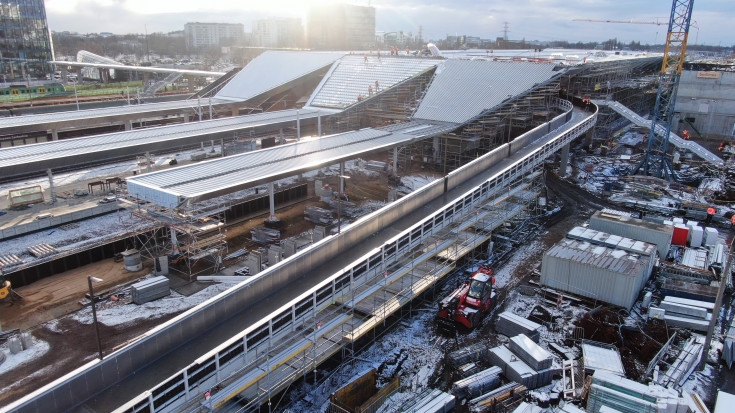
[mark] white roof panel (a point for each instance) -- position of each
(462, 89)
(272, 69)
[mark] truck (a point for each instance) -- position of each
(468, 304)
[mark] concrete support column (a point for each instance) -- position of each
(146, 78)
(147, 161)
(199, 108)
(298, 126)
(51, 185)
(187, 118)
(395, 160)
(210, 108)
(341, 180)
(564, 161)
(282, 140)
(64, 75)
(435, 146)
(272, 202)
(129, 124)
(235, 112)
(79, 74)
(54, 134)
(318, 123)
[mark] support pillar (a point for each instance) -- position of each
(210, 108)
(235, 111)
(147, 161)
(54, 134)
(129, 124)
(51, 185)
(564, 161)
(298, 126)
(64, 75)
(318, 123)
(282, 140)
(341, 180)
(187, 118)
(199, 108)
(395, 160)
(272, 202)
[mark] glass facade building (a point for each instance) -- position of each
(25, 41)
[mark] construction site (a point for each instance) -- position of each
(349, 232)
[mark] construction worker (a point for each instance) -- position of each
(359, 98)
(370, 90)
(685, 135)
(732, 220)
(377, 86)
(710, 213)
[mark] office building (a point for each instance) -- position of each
(201, 35)
(25, 41)
(278, 32)
(340, 27)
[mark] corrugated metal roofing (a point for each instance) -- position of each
(39, 119)
(272, 69)
(40, 152)
(220, 176)
(462, 89)
(599, 256)
(353, 75)
(611, 241)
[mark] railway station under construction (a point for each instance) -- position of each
(486, 128)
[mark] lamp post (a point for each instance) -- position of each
(339, 201)
(91, 280)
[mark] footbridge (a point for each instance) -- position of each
(254, 340)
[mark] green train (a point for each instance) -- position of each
(50, 89)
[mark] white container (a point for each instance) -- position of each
(711, 236)
(696, 236)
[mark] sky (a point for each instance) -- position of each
(527, 19)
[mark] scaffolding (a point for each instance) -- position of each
(192, 241)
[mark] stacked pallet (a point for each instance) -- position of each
(511, 325)
(318, 215)
(534, 355)
(477, 384)
(516, 369)
(469, 354)
(683, 312)
(150, 289)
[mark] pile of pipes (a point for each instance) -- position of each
(477, 384)
(150, 289)
(42, 250)
(467, 355)
(683, 312)
(524, 362)
(435, 401)
(511, 325)
(494, 398)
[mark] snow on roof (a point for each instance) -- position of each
(598, 256)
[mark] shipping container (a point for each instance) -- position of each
(634, 228)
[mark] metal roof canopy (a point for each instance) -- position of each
(147, 69)
(463, 89)
(93, 117)
(26, 159)
(272, 69)
(177, 187)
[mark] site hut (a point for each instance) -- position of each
(634, 228)
(611, 275)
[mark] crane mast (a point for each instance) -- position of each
(657, 161)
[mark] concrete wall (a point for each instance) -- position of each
(709, 99)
